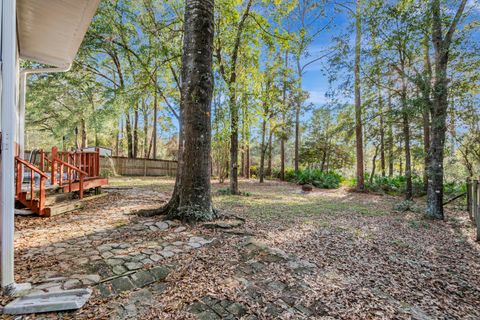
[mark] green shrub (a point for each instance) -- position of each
(326, 180)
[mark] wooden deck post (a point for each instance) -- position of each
(54, 165)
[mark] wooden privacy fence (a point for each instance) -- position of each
(473, 203)
(124, 166)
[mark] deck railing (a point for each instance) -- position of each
(19, 192)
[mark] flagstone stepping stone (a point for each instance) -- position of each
(167, 254)
(107, 254)
(122, 284)
(194, 244)
(133, 265)
(155, 257)
(119, 269)
(153, 228)
(162, 225)
(71, 284)
(142, 278)
(179, 229)
(104, 247)
(114, 262)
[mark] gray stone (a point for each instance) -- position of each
(107, 254)
(122, 284)
(194, 244)
(48, 302)
(142, 296)
(179, 229)
(153, 228)
(161, 225)
(155, 257)
(114, 262)
(93, 278)
(133, 265)
(146, 261)
(71, 284)
(104, 290)
(167, 254)
(160, 272)
(178, 243)
(138, 257)
(104, 247)
(142, 278)
(119, 270)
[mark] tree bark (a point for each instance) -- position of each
(406, 135)
(261, 171)
(191, 199)
(439, 108)
(358, 102)
(268, 172)
(135, 132)
(155, 117)
(128, 127)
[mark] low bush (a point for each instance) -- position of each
(318, 178)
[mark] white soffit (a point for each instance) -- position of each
(51, 31)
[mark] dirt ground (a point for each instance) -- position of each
(328, 254)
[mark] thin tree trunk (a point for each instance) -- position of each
(374, 164)
(135, 133)
(128, 127)
(406, 135)
(145, 133)
(262, 152)
(358, 102)
(390, 140)
(155, 117)
(83, 130)
(268, 172)
(247, 162)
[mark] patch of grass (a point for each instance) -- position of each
(417, 224)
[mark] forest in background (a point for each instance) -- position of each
(123, 91)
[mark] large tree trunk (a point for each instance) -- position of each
(191, 199)
(439, 108)
(358, 102)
